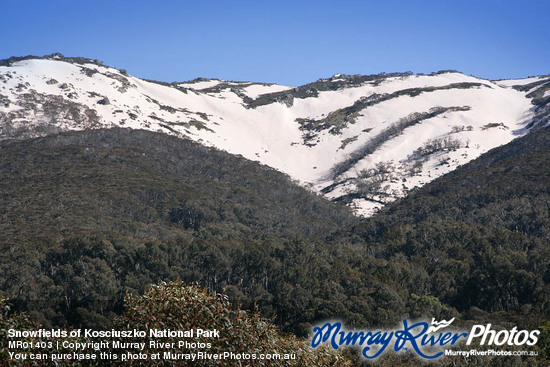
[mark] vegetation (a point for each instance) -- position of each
(337, 120)
(542, 104)
(369, 182)
(88, 217)
(57, 111)
(493, 125)
(172, 306)
(480, 232)
(55, 56)
(313, 89)
(393, 130)
(432, 146)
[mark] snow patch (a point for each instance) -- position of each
(478, 118)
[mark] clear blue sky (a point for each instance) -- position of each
(287, 42)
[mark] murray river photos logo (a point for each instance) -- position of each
(426, 340)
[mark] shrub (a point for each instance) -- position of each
(178, 307)
(174, 306)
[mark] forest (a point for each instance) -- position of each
(88, 218)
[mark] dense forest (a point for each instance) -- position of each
(175, 306)
(87, 217)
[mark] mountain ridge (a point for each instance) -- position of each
(363, 140)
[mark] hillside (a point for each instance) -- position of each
(481, 233)
(90, 211)
(87, 216)
(147, 185)
(361, 140)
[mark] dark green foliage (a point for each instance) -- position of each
(436, 145)
(10, 61)
(233, 86)
(480, 232)
(173, 306)
(340, 118)
(126, 181)
(190, 217)
(55, 56)
(542, 104)
(89, 216)
(528, 87)
(349, 81)
(10, 320)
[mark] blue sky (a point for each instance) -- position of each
(286, 42)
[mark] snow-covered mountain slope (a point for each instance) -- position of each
(364, 140)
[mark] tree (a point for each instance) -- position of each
(177, 307)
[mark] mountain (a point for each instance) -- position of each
(87, 216)
(361, 140)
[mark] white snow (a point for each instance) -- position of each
(524, 81)
(201, 85)
(256, 90)
(270, 133)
